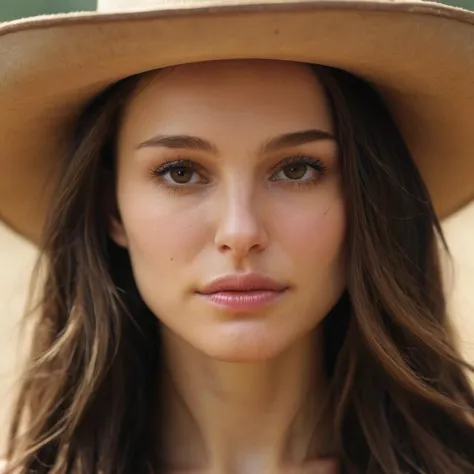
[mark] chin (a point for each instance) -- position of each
(244, 349)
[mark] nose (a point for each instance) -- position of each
(240, 230)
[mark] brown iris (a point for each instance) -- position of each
(181, 174)
(295, 171)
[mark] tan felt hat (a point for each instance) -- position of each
(419, 55)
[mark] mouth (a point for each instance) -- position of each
(243, 301)
(243, 292)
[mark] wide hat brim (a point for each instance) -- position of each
(418, 55)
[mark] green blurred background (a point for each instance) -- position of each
(11, 9)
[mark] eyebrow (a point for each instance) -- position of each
(190, 142)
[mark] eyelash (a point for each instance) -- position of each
(157, 172)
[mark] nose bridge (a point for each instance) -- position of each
(240, 228)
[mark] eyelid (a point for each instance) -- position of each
(315, 163)
(169, 164)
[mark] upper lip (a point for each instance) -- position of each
(242, 282)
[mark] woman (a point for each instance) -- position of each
(240, 265)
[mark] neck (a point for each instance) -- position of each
(243, 417)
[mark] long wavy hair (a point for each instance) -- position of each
(402, 399)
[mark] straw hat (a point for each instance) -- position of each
(419, 55)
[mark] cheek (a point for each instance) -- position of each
(158, 234)
(317, 239)
(316, 246)
(162, 243)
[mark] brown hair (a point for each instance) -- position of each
(403, 403)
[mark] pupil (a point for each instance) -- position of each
(295, 171)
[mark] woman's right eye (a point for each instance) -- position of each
(178, 173)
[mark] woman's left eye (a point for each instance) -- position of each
(300, 169)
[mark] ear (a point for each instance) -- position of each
(116, 229)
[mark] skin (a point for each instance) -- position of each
(243, 391)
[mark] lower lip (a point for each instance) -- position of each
(242, 300)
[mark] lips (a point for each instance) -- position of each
(249, 282)
(243, 293)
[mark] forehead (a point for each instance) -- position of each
(226, 95)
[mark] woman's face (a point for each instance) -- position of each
(226, 169)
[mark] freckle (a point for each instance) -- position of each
(172, 259)
(276, 32)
